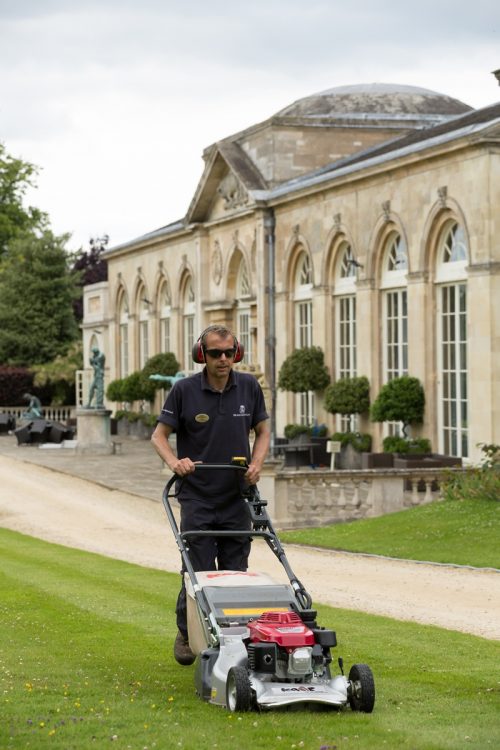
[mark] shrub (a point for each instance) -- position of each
(394, 444)
(360, 442)
(400, 400)
(161, 364)
(304, 370)
(137, 387)
(114, 391)
(476, 483)
(14, 383)
(60, 374)
(348, 396)
(294, 430)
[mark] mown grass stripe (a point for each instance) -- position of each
(93, 666)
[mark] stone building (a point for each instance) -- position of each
(364, 220)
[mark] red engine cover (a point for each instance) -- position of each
(284, 628)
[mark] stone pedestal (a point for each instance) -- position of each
(93, 431)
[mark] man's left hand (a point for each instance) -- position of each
(252, 475)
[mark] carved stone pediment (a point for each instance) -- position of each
(232, 192)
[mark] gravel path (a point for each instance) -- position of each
(60, 508)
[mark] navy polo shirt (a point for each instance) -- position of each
(213, 427)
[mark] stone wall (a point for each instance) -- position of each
(301, 498)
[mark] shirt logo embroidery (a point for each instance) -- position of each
(242, 412)
(202, 418)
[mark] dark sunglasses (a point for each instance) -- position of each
(217, 353)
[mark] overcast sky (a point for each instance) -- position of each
(115, 100)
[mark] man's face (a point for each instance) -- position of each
(219, 367)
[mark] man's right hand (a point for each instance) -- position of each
(183, 466)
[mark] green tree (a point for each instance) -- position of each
(60, 374)
(400, 400)
(304, 370)
(348, 396)
(36, 293)
(161, 364)
(16, 176)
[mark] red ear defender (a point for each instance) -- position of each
(197, 353)
(240, 352)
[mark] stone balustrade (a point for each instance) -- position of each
(51, 413)
(318, 497)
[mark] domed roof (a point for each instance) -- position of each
(375, 100)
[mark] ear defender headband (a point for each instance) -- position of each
(198, 350)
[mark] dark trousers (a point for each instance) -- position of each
(212, 553)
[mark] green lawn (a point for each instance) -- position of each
(85, 662)
(464, 532)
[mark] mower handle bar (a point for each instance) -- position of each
(270, 536)
(201, 465)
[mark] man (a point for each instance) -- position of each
(212, 413)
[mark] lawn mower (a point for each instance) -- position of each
(257, 641)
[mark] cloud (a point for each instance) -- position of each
(116, 99)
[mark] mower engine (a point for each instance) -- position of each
(282, 645)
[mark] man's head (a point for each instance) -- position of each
(219, 350)
(205, 343)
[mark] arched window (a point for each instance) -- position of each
(451, 278)
(143, 304)
(345, 291)
(455, 245)
(123, 313)
(303, 328)
(303, 302)
(165, 307)
(345, 322)
(393, 284)
(188, 317)
(243, 296)
(395, 307)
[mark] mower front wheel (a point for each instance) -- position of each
(362, 688)
(238, 690)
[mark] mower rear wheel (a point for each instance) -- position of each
(362, 688)
(238, 690)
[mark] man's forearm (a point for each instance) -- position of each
(260, 448)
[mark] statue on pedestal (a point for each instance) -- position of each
(34, 410)
(97, 361)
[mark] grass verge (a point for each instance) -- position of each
(463, 532)
(85, 662)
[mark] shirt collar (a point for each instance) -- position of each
(231, 382)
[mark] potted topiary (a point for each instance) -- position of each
(400, 400)
(297, 433)
(349, 396)
(304, 370)
(403, 400)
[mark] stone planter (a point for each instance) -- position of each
(139, 431)
(122, 427)
(348, 458)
